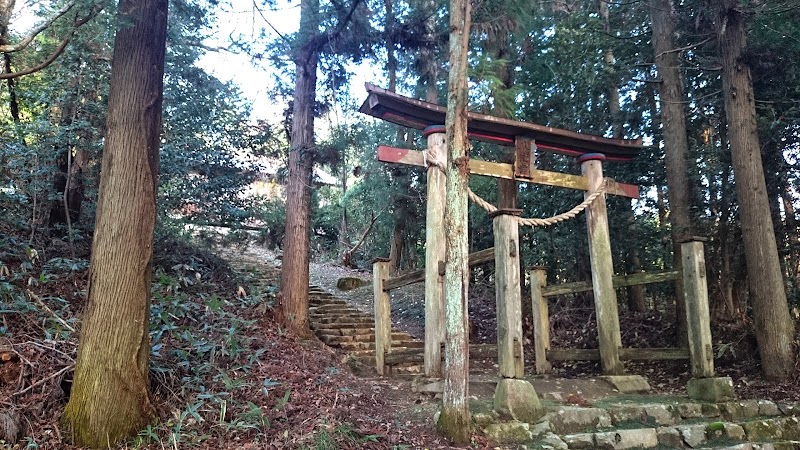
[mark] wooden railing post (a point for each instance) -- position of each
(605, 297)
(510, 358)
(541, 320)
(383, 320)
(435, 252)
(697, 315)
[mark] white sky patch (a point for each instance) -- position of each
(254, 78)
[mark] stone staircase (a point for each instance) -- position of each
(333, 320)
(339, 325)
(642, 423)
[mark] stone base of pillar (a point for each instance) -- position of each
(713, 390)
(517, 399)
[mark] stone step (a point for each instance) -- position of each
(326, 303)
(334, 310)
(733, 425)
(338, 311)
(711, 435)
(347, 319)
(676, 425)
(341, 326)
(569, 419)
(335, 339)
(364, 321)
(371, 345)
(345, 331)
(328, 300)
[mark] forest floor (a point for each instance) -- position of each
(226, 376)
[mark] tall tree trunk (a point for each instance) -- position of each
(635, 294)
(110, 399)
(6, 10)
(292, 310)
(68, 179)
(773, 324)
(498, 46)
(398, 241)
(792, 236)
(725, 239)
(676, 146)
(344, 243)
(428, 67)
(455, 419)
(399, 218)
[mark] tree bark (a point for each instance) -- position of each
(726, 243)
(498, 46)
(676, 146)
(6, 10)
(399, 218)
(68, 180)
(635, 294)
(110, 399)
(292, 310)
(427, 60)
(454, 421)
(773, 324)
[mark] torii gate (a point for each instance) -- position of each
(525, 137)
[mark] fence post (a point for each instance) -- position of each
(435, 252)
(383, 320)
(541, 320)
(510, 357)
(605, 297)
(698, 319)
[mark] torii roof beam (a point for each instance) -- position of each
(418, 114)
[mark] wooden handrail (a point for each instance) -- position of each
(475, 259)
(618, 281)
(415, 355)
(625, 354)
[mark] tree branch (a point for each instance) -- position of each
(261, 13)
(347, 257)
(60, 49)
(317, 42)
(684, 48)
(11, 48)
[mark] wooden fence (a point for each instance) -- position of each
(696, 297)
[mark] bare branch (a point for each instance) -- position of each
(684, 48)
(261, 13)
(11, 48)
(320, 40)
(60, 49)
(207, 47)
(38, 67)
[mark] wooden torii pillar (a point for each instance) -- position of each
(605, 296)
(524, 137)
(435, 253)
(600, 249)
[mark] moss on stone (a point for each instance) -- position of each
(509, 432)
(762, 430)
